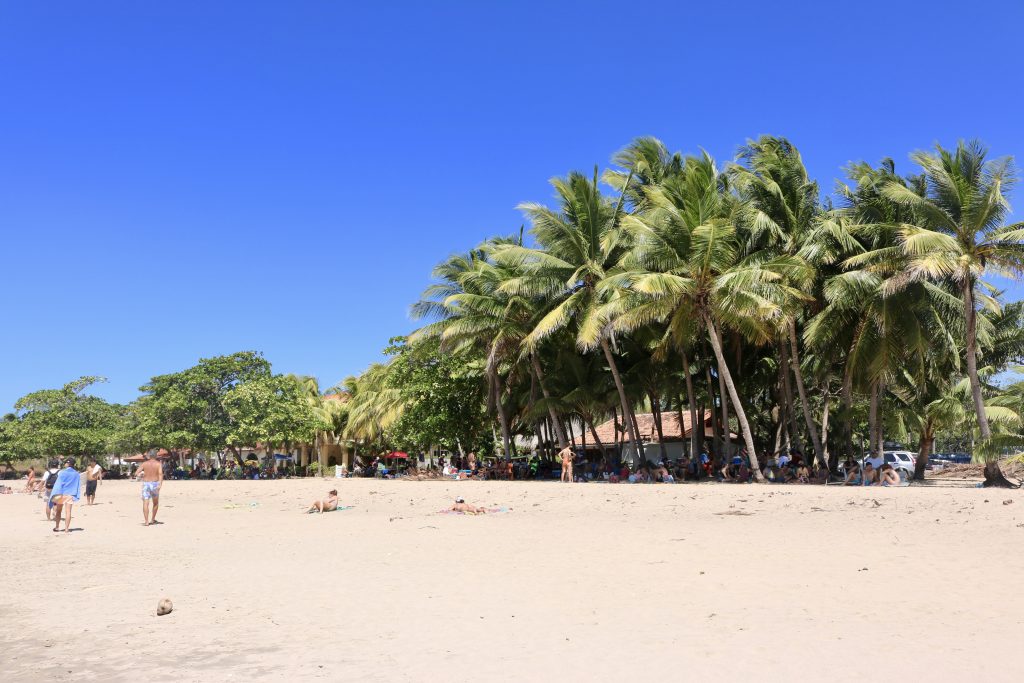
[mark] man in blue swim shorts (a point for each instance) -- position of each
(152, 474)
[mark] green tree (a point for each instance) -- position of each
(270, 410)
(960, 237)
(186, 409)
(65, 421)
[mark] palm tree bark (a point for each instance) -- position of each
(741, 415)
(847, 433)
(695, 436)
(626, 412)
(924, 447)
(552, 413)
(787, 395)
(593, 433)
(874, 431)
(656, 414)
(715, 426)
(993, 475)
(502, 416)
(826, 404)
(812, 429)
(726, 432)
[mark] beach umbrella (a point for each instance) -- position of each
(401, 455)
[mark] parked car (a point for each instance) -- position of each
(960, 458)
(901, 461)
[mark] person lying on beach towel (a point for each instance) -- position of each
(465, 508)
(328, 504)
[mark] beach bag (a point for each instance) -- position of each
(51, 480)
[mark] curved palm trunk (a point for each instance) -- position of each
(626, 412)
(827, 404)
(552, 413)
(812, 429)
(593, 433)
(993, 475)
(715, 427)
(695, 440)
(741, 415)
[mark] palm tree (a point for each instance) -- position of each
(961, 236)
(781, 210)
(580, 245)
(688, 266)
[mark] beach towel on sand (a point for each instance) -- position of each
(69, 483)
(489, 511)
(337, 509)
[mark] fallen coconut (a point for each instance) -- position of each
(164, 607)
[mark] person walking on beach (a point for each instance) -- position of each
(46, 490)
(93, 474)
(566, 455)
(152, 478)
(65, 493)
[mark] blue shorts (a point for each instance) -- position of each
(150, 489)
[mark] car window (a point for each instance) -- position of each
(889, 457)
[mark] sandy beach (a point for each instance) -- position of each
(575, 583)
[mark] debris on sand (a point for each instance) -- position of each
(164, 607)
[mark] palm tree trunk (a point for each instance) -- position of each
(502, 416)
(826, 404)
(723, 399)
(812, 429)
(787, 395)
(847, 433)
(656, 414)
(993, 475)
(626, 412)
(539, 374)
(972, 360)
(716, 428)
(696, 437)
(593, 432)
(873, 429)
(741, 416)
(923, 450)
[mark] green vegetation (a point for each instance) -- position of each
(735, 293)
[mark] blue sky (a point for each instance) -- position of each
(187, 179)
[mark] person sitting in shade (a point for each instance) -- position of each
(870, 475)
(328, 504)
(889, 476)
(852, 475)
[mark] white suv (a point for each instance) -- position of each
(901, 461)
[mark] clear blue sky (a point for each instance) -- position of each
(186, 179)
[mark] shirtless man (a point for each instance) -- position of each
(152, 474)
(30, 480)
(93, 474)
(566, 455)
(328, 504)
(870, 475)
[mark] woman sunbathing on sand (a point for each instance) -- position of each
(462, 506)
(328, 504)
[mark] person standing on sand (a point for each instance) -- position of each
(93, 474)
(566, 455)
(65, 493)
(152, 478)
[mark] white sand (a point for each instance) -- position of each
(579, 582)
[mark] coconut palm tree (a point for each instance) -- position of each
(959, 236)
(782, 213)
(688, 267)
(580, 245)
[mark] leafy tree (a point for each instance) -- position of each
(186, 409)
(65, 421)
(442, 397)
(270, 410)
